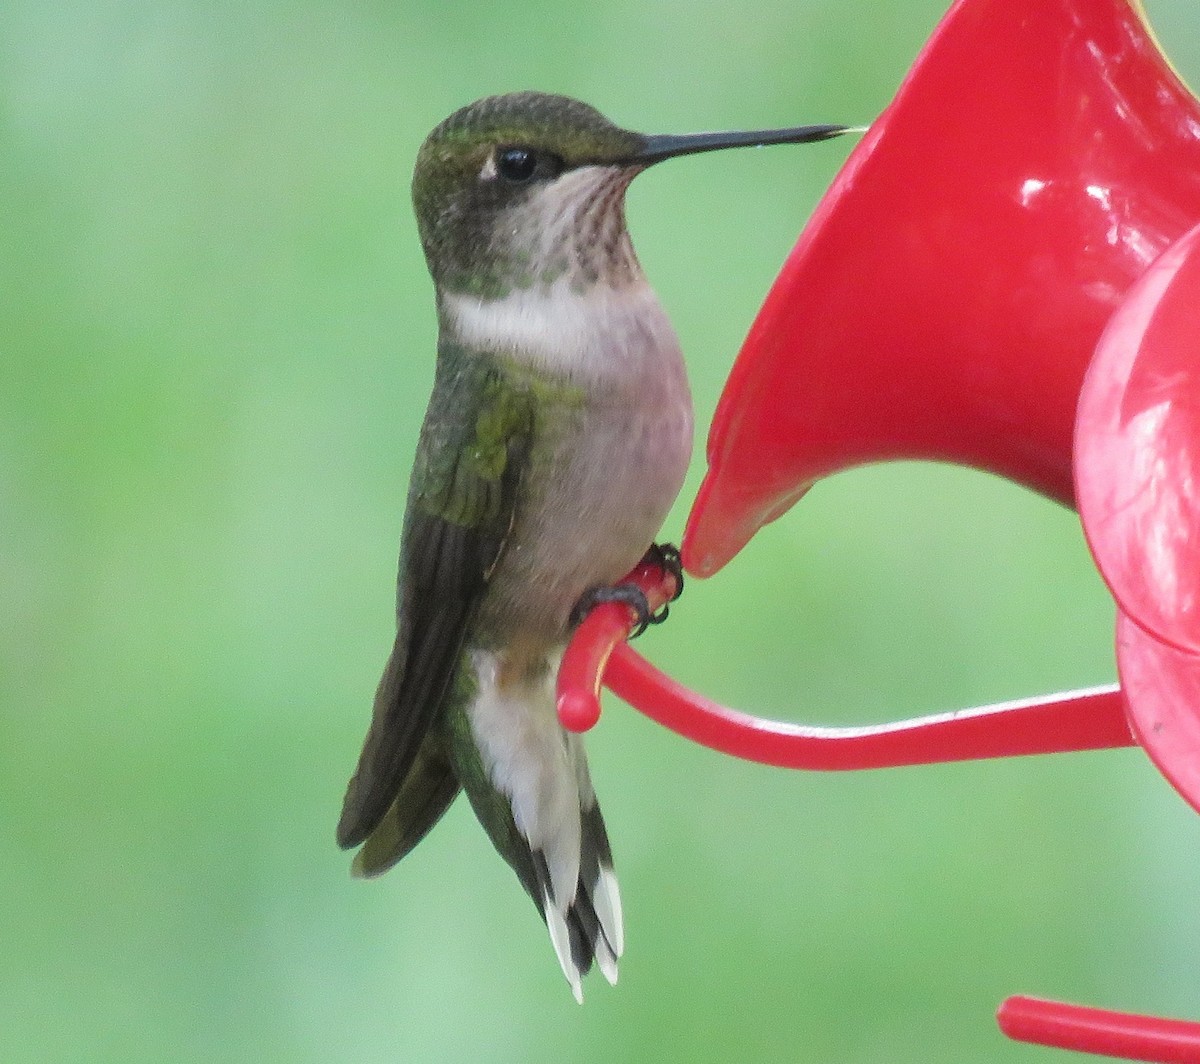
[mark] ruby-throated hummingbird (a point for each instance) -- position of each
(556, 440)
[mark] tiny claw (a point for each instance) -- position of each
(597, 637)
(628, 595)
(665, 556)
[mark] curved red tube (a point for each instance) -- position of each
(1077, 720)
(1110, 1034)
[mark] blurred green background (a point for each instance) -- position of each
(216, 342)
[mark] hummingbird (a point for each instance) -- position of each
(556, 439)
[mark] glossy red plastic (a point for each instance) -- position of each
(1137, 458)
(1075, 720)
(1110, 1034)
(944, 303)
(1093, 719)
(1162, 688)
(947, 294)
(1138, 449)
(604, 629)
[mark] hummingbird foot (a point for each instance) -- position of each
(665, 556)
(628, 595)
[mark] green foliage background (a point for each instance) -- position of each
(216, 341)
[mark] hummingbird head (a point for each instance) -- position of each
(527, 189)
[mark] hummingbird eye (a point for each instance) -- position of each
(516, 164)
(519, 165)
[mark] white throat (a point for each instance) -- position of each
(595, 332)
(586, 309)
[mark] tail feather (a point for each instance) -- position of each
(597, 878)
(589, 942)
(528, 782)
(588, 927)
(606, 961)
(560, 936)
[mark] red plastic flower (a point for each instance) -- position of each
(1020, 217)
(1137, 471)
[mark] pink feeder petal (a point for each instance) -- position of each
(947, 294)
(1162, 689)
(1121, 1035)
(1138, 449)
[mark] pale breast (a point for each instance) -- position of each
(605, 466)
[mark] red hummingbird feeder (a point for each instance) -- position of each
(1004, 275)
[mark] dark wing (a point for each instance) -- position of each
(473, 448)
(428, 790)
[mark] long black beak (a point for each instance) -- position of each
(667, 146)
